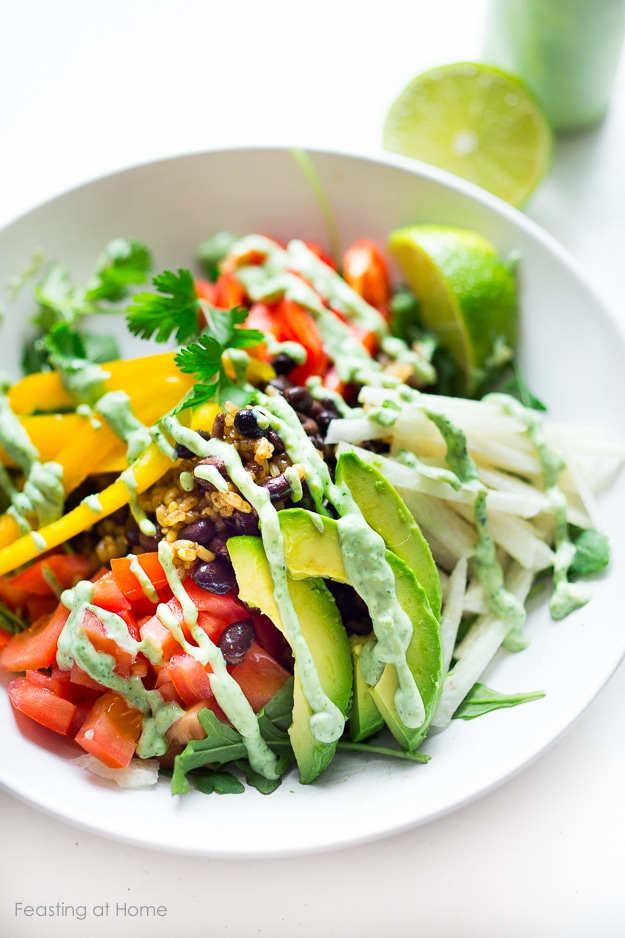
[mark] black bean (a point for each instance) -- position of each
(324, 419)
(278, 487)
(276, 442)
(132, 532)
(299, 398)
(235, 641)
(149, 542)
(283, 364)
(214, 576)
(310, 426)
(203, 484)
(200, 531)
(246, 423)
(217, 545)
(183, 452)
(330, 406)
(219, 423)
(244, 522)
(280, 383)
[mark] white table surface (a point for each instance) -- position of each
(88, 88)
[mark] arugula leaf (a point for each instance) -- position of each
(592, 552)
(264, 785)
(345, 745)
(482, 699)
(223, 783)
(173, 310)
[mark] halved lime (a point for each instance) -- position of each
(467, 295)
(476, 122)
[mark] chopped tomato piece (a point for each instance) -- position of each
(205, 289)
(41, 704)
(38, 606)
(58, 685)
(15, 599)
(35, 647)
(229, 291)
(45, 576)
(365, 270)
(111, 730)
(259, 676)
(271, 639)
(84, 680)
(190, 678)
(316, 248)
(187, 727)
(226, 607)
(299, 326)
(95, 630)
(129, 584)
(160, 636)
(108, 595)
(5, 638)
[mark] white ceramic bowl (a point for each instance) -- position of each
(572, 353)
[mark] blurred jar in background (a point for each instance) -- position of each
(567, 51)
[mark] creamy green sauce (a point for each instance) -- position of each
(566, 596)
(281, 276)
(364, 557)
(145, 525)
(42, 495)
(486, 566)
(327, 722)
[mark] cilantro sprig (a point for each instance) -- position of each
(205, 358)
(173, 310)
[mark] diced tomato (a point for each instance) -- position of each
(299, 326)
(271, 639)
(15, 599)
(95, 630)
(365, 270)
(262, 317)
(111, 730)
(205, 289)
(259, 676)
(57, 685)
(229, 291)
(36, 646)
(165, 686)
(130, 586)
(190, 678)
(64, 570)
(160, 636)
(41, 704)
(108, 595)
(5, 638)
(212, 625)
(84, 680)
(38, 606)
(226, 607)
(316, 248)
(83, 709)
(187, 727)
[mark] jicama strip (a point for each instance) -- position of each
(516, 536)
(455, 535)
(477, 650)
(452, 611)
(408, 478)
(147, 470)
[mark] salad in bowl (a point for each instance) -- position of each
(298, 526)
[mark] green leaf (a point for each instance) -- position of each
(121, 264)
(482, 699)
(592, 552)
(517, 387)
(203, 358)
(10, 621)
(264, 785)
(222, 744)
(279, 710)
(345, 745)
(212, 251)
(100, 347)
(173, 310)
(223, 783)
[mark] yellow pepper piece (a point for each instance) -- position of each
(44, 390)
(147, 470)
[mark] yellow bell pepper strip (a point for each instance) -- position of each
(147, 470)
(44, 390)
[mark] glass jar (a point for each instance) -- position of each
(567, 51)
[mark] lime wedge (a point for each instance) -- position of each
(476, 122)
(467, 295)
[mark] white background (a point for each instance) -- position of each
(87, 88)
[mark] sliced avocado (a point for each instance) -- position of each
(325, 636)
(384, 510)
(364, 719)
(312, 548)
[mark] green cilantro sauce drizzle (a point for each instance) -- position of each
(364, 556)
(566, 596)
(42, 495)
(281, 275)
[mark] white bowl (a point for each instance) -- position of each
(572, 353)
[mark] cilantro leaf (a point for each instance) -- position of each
(173, 310)
(121, 264)
(204, 358)
(482, 699)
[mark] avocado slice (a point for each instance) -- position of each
(364, 719)
(384, 510)
(312, 548)
(321, 626)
